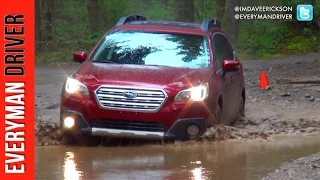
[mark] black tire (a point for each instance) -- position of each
(218, 114)
(212, 118)
(241, 108)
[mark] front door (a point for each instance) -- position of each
(222, 51)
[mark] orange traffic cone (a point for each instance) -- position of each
(263, 80)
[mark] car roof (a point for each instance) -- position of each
(164, 26)
(165, 23)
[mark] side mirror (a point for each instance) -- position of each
(230, 65)
(79, 56)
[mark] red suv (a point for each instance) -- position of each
(155, 80)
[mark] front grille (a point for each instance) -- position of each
(149, 100)
(128, 125)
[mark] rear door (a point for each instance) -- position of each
(230, 96)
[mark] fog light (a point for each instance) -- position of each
(69, 122)
(193, 130)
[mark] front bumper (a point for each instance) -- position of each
(178, 131)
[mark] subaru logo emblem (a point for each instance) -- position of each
(130, 94)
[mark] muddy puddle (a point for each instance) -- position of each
(220, 161)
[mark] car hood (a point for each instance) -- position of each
(140, 75)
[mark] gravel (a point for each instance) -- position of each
(307, 168)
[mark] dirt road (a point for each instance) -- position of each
(303, 168)
(280, 109)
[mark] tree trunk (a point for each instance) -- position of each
(184, 10)
(220, 8)
(298, 81)
(38, 20)
(94, 16)
(231, 24)
(46, 20)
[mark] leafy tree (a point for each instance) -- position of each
(184, 10)
(71, 25)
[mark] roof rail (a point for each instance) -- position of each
(207, 24)
(130, 18)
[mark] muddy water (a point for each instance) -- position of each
(221, 161)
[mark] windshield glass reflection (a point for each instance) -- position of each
(146, 48)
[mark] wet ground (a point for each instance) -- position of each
(280, 109)
(303, 168)
(291, 110)
(220, 161)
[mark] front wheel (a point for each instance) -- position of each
(241, 108)
(218, 114)
(215, 117)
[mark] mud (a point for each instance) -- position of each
(303, 168)
(47, 133)
(277, 110)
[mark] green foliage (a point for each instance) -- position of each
(204, 9)
(271, 39)
(53, 57)
(153, 9)
(257, 38)
(298, 44)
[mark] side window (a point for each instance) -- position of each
(229, 55)
(218, 50)
(222, 50)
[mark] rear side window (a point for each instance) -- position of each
(222, 50)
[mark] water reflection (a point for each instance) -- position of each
(222, 161)
(197, 173)
(70, 167)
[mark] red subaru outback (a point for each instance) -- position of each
(154, 80)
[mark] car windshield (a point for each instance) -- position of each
(148, 48)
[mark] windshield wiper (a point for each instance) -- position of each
(105, 61)
(155, 65)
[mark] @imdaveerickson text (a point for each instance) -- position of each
(263, 12)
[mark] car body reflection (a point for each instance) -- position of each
(70, 167)
(156, 163)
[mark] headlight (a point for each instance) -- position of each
(74, 86)
(197, 93)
